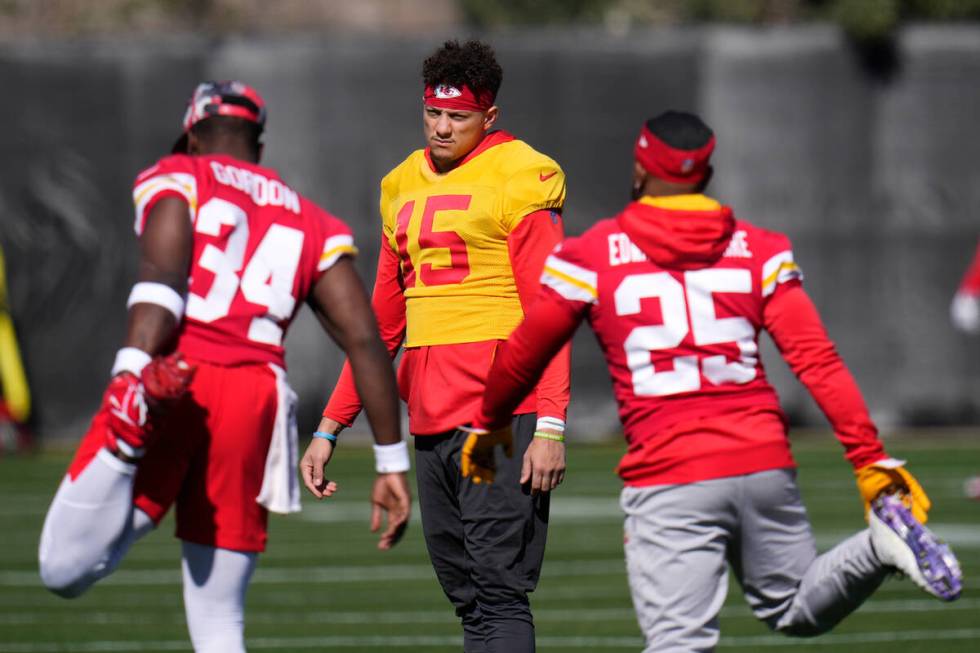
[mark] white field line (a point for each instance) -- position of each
(325, 575)
(266, 616)
(606, 510)
(564, 643)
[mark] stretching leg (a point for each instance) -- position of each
(90, 526)
(786, 583)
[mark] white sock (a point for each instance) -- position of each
(90, 525)
(215, 581)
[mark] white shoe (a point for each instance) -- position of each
(901, 541)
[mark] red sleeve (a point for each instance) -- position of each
(521, 360)
(529, 245)
(970, 285)
(795, 326)
(388, 302)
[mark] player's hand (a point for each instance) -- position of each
(477, 457)
(131, 402)
(544, 464)
(125, 403)
(889, 475)
(311, 467)
(391, 496)
(166, 379)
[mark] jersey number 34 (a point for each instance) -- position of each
(266, 280)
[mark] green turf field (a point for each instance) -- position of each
(323, 586)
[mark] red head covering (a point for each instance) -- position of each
(461, 98)
(671, 163)
(224, 98)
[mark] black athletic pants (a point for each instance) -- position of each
(486, 541)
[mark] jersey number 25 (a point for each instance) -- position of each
(677, 300)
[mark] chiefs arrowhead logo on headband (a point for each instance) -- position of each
(447, 92)
(461, 98)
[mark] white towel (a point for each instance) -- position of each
(280, 484)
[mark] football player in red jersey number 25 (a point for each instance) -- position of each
(677, 290)
(198, 412)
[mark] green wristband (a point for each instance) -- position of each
(556, 437)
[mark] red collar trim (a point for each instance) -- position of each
(495, 137)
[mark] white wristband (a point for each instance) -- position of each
(550, 424)
(130, 359)
(151, 292)
(390, 458)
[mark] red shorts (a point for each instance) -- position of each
(208, 456)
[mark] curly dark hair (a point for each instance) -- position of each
(473, 64)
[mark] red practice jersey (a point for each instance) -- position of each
(681, 340)
(259, 247)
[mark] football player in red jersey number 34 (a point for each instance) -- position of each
(198, 412)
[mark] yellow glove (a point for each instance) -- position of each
(890, 475)
(477, 457)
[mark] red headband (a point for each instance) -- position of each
(671, 163)
(461, 98)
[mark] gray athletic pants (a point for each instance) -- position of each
(679, 538)
(486, 541)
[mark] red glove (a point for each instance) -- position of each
(131, 402)
(167, 379)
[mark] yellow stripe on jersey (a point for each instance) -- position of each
(181, 182)
(570, 281)
(779, 269)
(333, 249)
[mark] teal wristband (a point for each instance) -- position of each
(326, 436)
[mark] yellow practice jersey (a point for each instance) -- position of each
(450, 232)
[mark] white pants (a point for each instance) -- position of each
(680, 540)
(90, 528)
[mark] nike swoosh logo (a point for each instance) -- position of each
(546, 177)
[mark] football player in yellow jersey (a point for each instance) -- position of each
(467, 223)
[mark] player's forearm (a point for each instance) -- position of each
(149, 328)
(554, 388)
(374, 381)
(796, 328)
